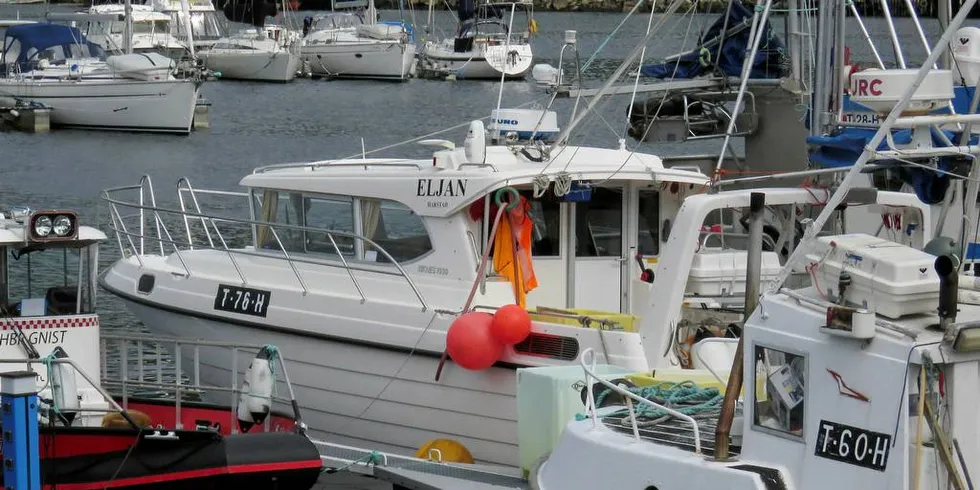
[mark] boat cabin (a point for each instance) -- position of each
(488, 23)
(39, 45)
(206, 26)
(48, 281)
(151, 29)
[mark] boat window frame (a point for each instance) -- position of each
(755, 425)
(360, 246)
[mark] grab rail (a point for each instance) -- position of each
(589, 367)
(162, 347)
(192, 213)
(401, 163)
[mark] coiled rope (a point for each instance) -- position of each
(685, 397)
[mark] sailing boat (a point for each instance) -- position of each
(354, 44)
(262, 52)
(484, 46)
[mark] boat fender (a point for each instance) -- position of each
(64, 389)
(256, 398)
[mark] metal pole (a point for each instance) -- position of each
(869, 149)
(793, 39)
(667, 14)
(822, 68)
(753, 275)
(128, 29)
(867, 37)
(758, 26)
(891, 33)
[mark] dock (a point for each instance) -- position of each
(363, 469)
(29, 117)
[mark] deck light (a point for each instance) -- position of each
(48, 226)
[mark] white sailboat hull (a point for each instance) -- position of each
(480, 63)
(114, 104)
(381, 60)
(259, 65)
(346, 394)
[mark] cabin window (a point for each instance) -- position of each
(649, 210)
(599, 224)
(546, 217)
(12, 51)
(780, 391)
(395, 228)
(334, 213)
(284, 210)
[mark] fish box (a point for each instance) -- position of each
(548, 398)
(721, 272)
(888, 278)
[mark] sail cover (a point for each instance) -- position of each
(770, 61)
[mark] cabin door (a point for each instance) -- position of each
(600, 249)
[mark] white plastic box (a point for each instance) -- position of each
(718, 272)
(888, 278)
(548, 398)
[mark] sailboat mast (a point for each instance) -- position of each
(128, 29)
(185, 8)
(372, 13)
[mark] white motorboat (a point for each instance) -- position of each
(151, 31)
(133, 92)
(359, 267)
(484, 46)
(268, 53)
(355, 45)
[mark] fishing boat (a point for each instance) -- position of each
(55, 65)
(349, 43)
(485, 46)
(90, 438)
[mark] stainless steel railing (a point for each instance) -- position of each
(152, 227)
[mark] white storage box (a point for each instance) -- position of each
(886, 277)
(721, 272)
(548, 398)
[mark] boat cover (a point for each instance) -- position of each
(25, 42)
(842, 149)
(770, 60)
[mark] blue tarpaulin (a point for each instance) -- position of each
(769, 60)
(842, 148)
(25, 42)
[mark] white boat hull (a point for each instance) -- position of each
(379, 60)
(263, 66)
(478, 64)
(124, 105)
(347, 396)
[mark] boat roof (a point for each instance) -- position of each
(436, 191)
(140, 12)
(10, 23)
(35, 38)
(174, 5)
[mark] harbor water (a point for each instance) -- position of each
(255, 124)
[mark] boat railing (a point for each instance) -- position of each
(588, 362)
(152, 227)
(153, 367)
(114, 407)
(325, 164)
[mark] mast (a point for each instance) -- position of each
(186, 10)
(128, 30)
(372, 13)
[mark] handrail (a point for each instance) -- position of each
(400, 163)
(178, 386)
(589, 368)
(118, 225)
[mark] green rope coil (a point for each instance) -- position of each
(685, 397)
(515, 197)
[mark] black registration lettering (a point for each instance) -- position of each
(245, 301)
(853, 445)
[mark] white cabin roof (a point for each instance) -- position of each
(175, 5)
(140, 12)
(435, 191)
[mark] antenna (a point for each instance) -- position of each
(835, 200)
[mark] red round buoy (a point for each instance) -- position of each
(470, 343)
(511, 325)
